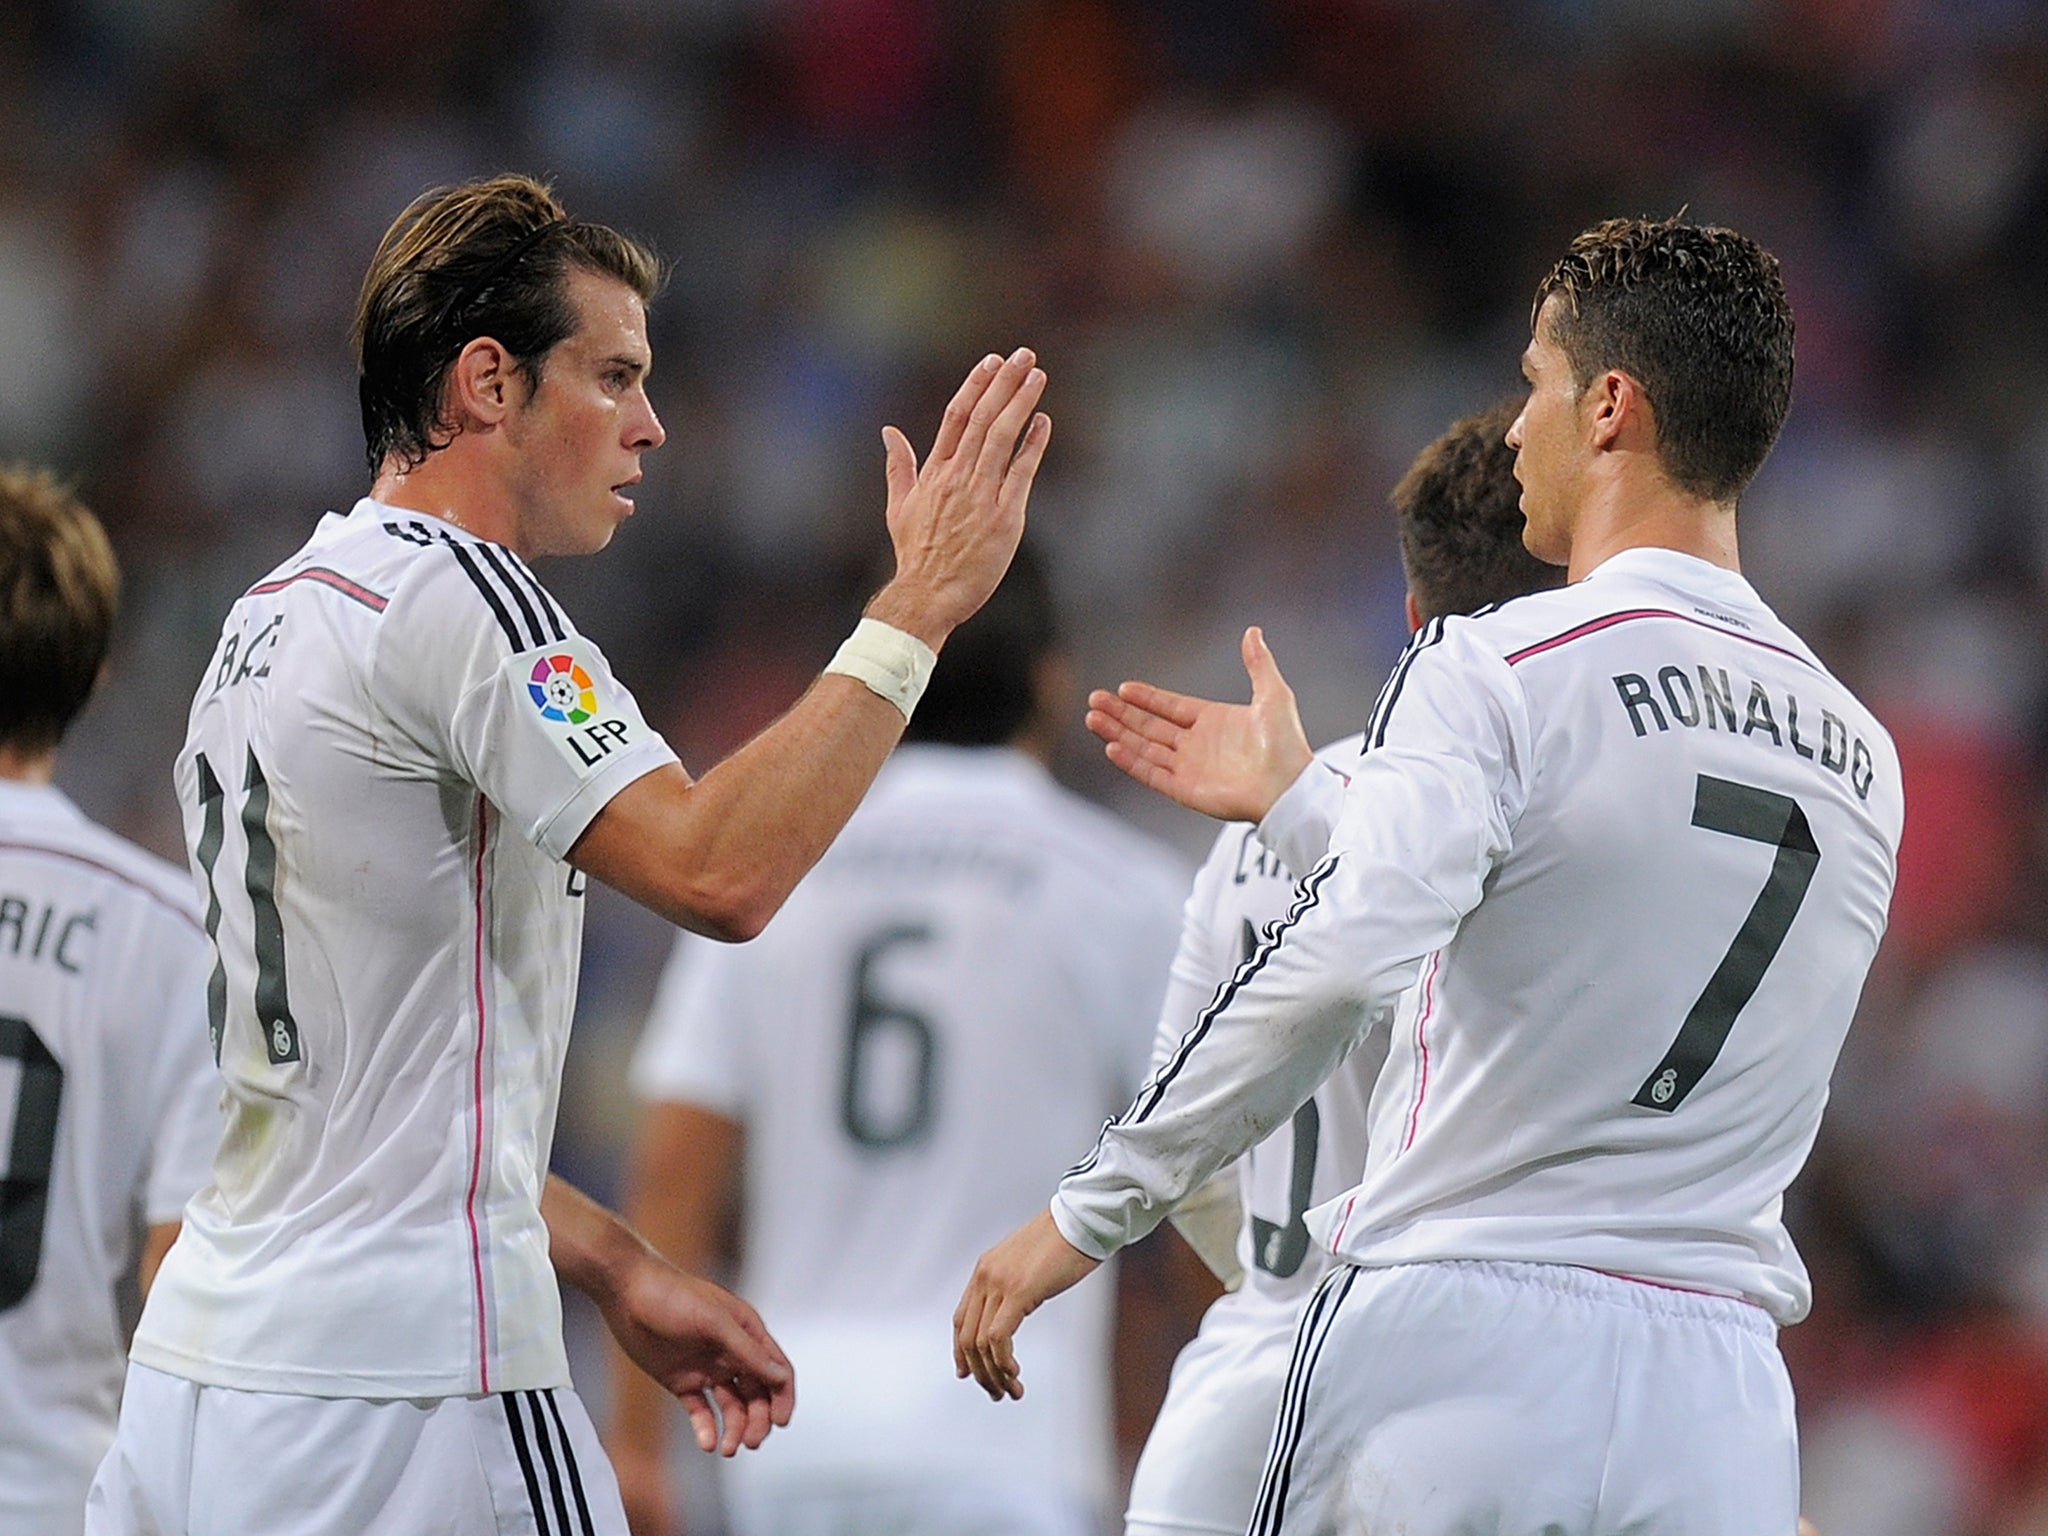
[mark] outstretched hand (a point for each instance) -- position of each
(1230, 761)
(1030, 1266)
(955, 521)
(708, 1348)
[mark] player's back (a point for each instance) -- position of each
(109, 1114)
(956, 997)
(1623, 1053)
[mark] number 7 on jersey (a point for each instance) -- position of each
(1739, 810)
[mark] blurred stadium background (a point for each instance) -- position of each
(1266, 249)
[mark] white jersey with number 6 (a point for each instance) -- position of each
(1639, 846)
(961, 990)
(396, 743)
(109, 1114)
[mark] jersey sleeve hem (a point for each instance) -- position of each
(557, 834)
(1298, 825)
(1074, 1229)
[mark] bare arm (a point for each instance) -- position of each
(1230, 761)
(698, 1340)
(679, 1180)
(155, 1244)
(720, 854)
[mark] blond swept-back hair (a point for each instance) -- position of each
(59, 585)
(482, 258)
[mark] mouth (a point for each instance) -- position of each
(622, 493)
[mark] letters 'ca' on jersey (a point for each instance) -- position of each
(109, 1113)
(1638, 845)
(958, 995)
(398, 739)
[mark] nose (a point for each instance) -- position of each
(646, 430)
(1514, 437)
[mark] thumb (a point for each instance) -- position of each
(1260, 666)
(899, 465)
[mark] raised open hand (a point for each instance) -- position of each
(1230, 761)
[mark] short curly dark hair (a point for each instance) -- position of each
(1459, 513)
(1695, 314)
(485, 258)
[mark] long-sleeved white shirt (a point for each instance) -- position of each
(1638, 846)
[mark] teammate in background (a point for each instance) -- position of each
(1639, 846)
(402, 764)
(108, 1093)
(1461, 549)
(888, 1079)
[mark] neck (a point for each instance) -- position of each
(447, 485)
(27, 767)
(1621, 516)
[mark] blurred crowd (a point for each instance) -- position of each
(1266, 249)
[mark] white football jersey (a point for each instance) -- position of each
(109, 1113)
(395, 744)
(1239, 894)
(962, 989)
(1638, 845)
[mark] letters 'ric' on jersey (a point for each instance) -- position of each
(398, 739)
(109, 1114)
(955, 998)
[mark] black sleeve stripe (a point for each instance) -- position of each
(533, 1499)
(1308, 1350)
(1383, 711)
(1307, 895)
(482, 583)
(547, 1458)
(551, 611)
(488, 554)
(569, 1459)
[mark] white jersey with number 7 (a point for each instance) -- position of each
(1638, 845)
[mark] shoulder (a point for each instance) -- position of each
(159, 891)
(448, 582)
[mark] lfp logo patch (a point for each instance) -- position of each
(562, 690)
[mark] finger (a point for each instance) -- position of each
(899, 466)
(1133, 719)
(732, 1418)
(782, 1401)
(954, 422)
(1023, 471)
(1151, 775)
(1001, 390)
(1261, 667)
(760, 1419)
(703, 1422)
(1180, 708)
(999, 447)
(959, 1316)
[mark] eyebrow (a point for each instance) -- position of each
(638, 367)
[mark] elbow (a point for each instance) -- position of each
(731, 912)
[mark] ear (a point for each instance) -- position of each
(480, 384)
(1414, 611)
(1620, 410)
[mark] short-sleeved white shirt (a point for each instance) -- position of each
(958, 995)
(1638, 845)
(109, 1113)
(397, 741)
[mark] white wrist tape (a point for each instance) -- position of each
(892, 664)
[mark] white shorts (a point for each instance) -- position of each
(926, 1508)
(1200, 1467)
(1470, 1399)
(191, 1460)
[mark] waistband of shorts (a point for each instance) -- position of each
(1651, 1298)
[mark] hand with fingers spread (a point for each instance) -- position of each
(1230, 761)
(955, 520)
(707, 1347)
(1030, 1266)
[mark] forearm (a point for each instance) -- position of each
(719, 856)
(591, 1248)
(1256, 1054)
